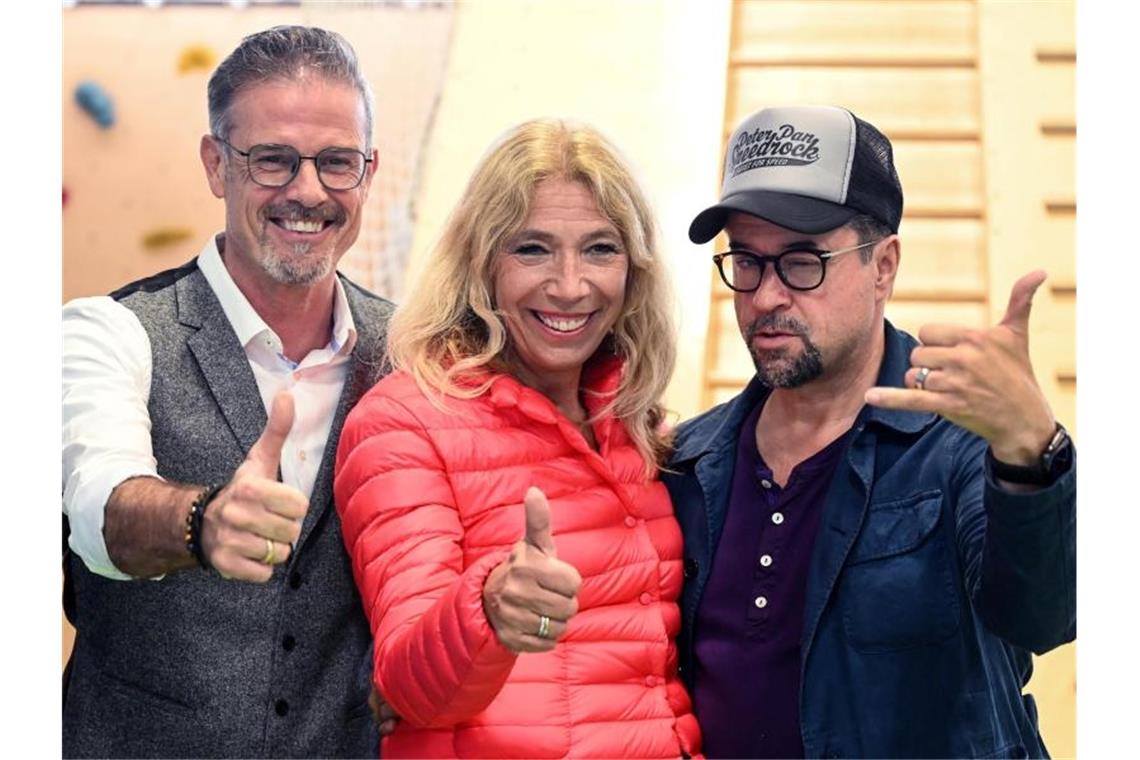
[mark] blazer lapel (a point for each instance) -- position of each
(222, 359)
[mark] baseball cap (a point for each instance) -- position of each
(808, 168)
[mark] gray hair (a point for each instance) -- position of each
(868, 228)
(284, 52)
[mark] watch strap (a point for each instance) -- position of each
(1052, 462)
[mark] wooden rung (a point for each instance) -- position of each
(848, 62)
(1066, 376)
(934, 134)
(722, 293)
(1061, 207)
(940, 296)
(942, 213)
(1056, 55)
(1058, 129)
(950, 213)
(720, 381)
(1063, 288)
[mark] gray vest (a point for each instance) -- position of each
(194, 665)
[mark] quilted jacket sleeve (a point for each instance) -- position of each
(437, 660)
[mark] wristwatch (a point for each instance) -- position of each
(1053, 462)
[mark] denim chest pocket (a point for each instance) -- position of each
(897, 589)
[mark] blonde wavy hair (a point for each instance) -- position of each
(449, 336)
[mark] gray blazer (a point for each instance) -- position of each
(194, 665)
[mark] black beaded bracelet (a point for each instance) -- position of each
(194, 523)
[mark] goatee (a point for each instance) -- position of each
(778, 368)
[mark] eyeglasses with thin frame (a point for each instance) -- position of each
(276, 165)
(798, 268)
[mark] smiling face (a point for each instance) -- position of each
(292, 235)
(796, 336)
(560, 285)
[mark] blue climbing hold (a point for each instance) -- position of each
(96, 102)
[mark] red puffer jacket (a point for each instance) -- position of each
(431, 501)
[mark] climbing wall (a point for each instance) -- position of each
(135, 198)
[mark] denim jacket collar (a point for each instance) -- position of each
(896, 361)
(718, 429)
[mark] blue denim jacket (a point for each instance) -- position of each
(928, 589)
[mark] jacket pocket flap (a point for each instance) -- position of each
(897, 526)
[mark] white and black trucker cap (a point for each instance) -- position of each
(808, 168)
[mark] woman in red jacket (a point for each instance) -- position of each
(516, 555)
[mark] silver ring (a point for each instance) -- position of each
(543, 626)
(920, 378)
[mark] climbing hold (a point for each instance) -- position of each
(196, 57)
(164, 236)
(96, 102)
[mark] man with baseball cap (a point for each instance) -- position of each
(878, 531)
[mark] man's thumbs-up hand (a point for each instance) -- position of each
(251, 524)
(264, 458)
(531, 596)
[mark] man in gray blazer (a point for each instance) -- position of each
(213, 600)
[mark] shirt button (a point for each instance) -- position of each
(766, 560)
(281, 707)
(777, 517)
(646, 598)
(630, 521)
(302, 455)
(651, 681)
(766, 484)
(288, 643)
(761, 602)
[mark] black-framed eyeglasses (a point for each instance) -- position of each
(799, 269)
(277, 165)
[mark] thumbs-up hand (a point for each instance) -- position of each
(531, 596)
(981, 380)
(538, 522)
(253, 522)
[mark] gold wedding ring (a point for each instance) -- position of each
(920, 378)
(543, 626)
(270, 552)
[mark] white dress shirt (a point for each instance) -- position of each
(106, 388)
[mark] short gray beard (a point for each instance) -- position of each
(296, 267)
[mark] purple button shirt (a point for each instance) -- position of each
(750, 620)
